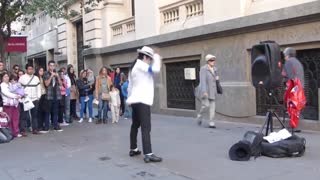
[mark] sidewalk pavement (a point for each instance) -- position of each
(89, 151)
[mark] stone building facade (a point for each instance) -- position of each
(42, 33)
(184, 31)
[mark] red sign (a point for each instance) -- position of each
(17, 44)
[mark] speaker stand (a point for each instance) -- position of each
(268, 124)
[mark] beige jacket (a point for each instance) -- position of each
(98, 85)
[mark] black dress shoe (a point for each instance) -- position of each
(134, 153)
(152, 158)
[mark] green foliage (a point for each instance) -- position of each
(24, 10)
(11, 10)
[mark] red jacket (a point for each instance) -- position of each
(295, 100)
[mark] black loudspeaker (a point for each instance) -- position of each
(266, 65)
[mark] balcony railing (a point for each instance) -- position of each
(171, 15)
(194, 9)
(123, 27)
(181, 10)
(117, 31)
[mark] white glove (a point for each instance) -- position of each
(156, 66)
(1, 109)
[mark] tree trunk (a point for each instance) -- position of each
(3, 45)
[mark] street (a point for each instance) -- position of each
(89, 151)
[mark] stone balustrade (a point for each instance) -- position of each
(123, 27)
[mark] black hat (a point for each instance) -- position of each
(240, 151)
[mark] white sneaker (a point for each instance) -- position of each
(43, 132)
(81, 120)
(64, 124)
(212, 125)
(90, 120)
(19, 135)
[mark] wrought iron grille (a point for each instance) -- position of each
(180, 92)
(310, 60)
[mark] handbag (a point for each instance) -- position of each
(219, 87)
(105, 96)
(27, 104)
(96, 102)
(74, 92)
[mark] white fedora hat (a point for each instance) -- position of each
(147, 51)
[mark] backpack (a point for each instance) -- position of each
(5, 132)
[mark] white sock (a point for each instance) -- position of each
(149, 154)
(136, 149)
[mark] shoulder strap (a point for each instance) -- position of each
(212, 73)
(29, 81)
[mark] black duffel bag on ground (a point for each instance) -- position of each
(292, 147)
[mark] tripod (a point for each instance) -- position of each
(268, 124)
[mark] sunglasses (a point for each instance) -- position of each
(211, 60)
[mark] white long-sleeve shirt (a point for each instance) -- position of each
(67, 78)
(33, 90)
(141, 85)
(115, 98)
(6, 94)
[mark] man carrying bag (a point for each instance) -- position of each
(31, 84)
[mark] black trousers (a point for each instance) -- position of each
(73, 108)
(34, 115)
(122, 106)
(24, 117)
(141, 116)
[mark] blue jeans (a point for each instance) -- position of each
(83, 104)
(103, 110)
(127, 110)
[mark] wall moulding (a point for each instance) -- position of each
(112, 2)
(176, 4)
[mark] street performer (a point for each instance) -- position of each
(140, 98)
(294, 97)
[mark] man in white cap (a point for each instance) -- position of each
(207, 90)
(140, 97)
